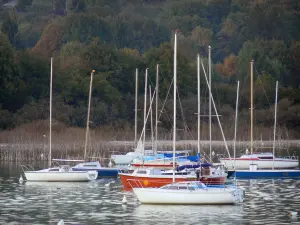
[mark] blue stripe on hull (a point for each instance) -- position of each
(266, 174)
(105, 172)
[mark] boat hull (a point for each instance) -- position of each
(130, 181)
(266, 174)
(214, 180)
(72, 176)
(184, 197)
(102, 172)
(123, 160)
(261, 163)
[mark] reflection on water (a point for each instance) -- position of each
(266, 202)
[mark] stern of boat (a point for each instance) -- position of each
(92, 175)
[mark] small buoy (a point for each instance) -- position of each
(124, 200)
(107, 185)
(21, 179)
(61, 222)
(293, 214)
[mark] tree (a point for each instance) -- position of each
(229, 67)
(9, 80)
(23, 4)
(10, 27)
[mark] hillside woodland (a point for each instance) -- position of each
(114, 37)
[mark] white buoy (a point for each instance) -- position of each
(61, 222)
(21, 179)
(109, 184)
(124, 200)
(110, 164)
(293, 214)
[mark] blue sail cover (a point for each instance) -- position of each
(194, 158)
(179, 168)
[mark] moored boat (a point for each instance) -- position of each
(63, 173)
(262, 160)
(151, 177)
(96, 166)
(184, 193)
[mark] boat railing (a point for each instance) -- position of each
(26, 168)
(135, 183)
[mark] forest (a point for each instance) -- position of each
(114, 37)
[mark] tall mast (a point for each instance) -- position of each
(174, 110)
(209, 99)
(275, 119)
(251, 107)
(88, 115)
(50, 119)
(151, 118)
(156, 108)
(236, 120)
(145, 107)
(135, 107)
(198, 88)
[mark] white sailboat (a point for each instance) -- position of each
(61, 173)
(188, 192)
(260, 160)
(125, 159)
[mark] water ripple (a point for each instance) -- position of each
(266, 202)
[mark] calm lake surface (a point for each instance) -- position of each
(266, 202)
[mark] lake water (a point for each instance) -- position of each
(266, 202)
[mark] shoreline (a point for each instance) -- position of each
(104, 149)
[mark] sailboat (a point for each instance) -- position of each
(149, 158)
(123, 160)
(260, 160)
(187, 192)
(153, 177)
(268, 173)
(95, 166)
(60, 173)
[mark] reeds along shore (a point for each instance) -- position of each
(31, 142)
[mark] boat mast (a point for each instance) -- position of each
(135, 107)
(209, 99)
(236, 120)
(156, 108)
(88, 115)
(215, 108)
(174, 109)
(50, 119)
(198, 88)
(145, 108)
(151, 119)
(275, 118)
(251, 107)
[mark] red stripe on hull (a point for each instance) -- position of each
(152, 165)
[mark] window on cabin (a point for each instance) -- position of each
(142, 172)
(265, 157)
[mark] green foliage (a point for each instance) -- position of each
(116, 37)
(9, 78)
(23, 4)
(10, 27)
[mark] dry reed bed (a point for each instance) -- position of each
(31, 142)
(103, 149)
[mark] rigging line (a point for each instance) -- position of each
(262, 85)
(164, 103)
(183, 117)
